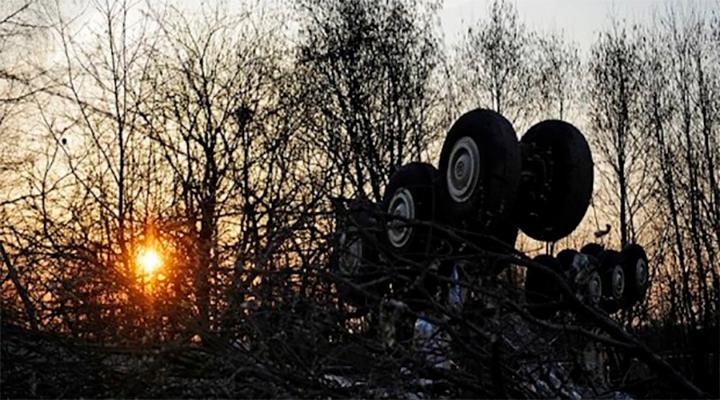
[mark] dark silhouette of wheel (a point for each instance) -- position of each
(541, 292)
(557, 183)
(479, 169)
(581, 271)
(570, 265)
(613, 278)
(409, 210)
(409, 235)
(637, 274)
(593, 249)
(359, 277)
(594, 284)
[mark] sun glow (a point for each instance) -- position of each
(149, 260)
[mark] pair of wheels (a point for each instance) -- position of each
(609, 279)
(489, 184)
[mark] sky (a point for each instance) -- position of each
(581, 20)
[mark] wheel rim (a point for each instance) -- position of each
(350, 259)
(463, 169)
(401, 205)
(594, 288)
(641, 275)
(618, 282)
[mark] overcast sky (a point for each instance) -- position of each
(581, 20)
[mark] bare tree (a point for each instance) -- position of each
(368, 73)
(20, 25)
(613, 94)
(558, 73)
(215, 116)
(493, 66)
(693, 76)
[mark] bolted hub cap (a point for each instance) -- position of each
(618, 282)
(401, 205)
(641, 274)
(463, 169)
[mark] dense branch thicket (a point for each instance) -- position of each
(228, 141)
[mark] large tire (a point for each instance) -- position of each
(613, 281)
(555, 197)
(409, 237)
(410, 196)
(357, 263)
(594, 287)
(479, 169)
(541, 292)
(570, 266)
(593, 249)
(637, 274)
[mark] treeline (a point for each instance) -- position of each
(223, 136)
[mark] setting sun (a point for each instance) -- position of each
(149, 260)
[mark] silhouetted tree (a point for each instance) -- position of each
(558, 74)
(367, 79)
(613, 90)
(494, 64)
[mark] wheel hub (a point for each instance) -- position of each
(463, 169)
(618, 282)
(402, 205)
(350, 258)
(594, 288)
(641, 275)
